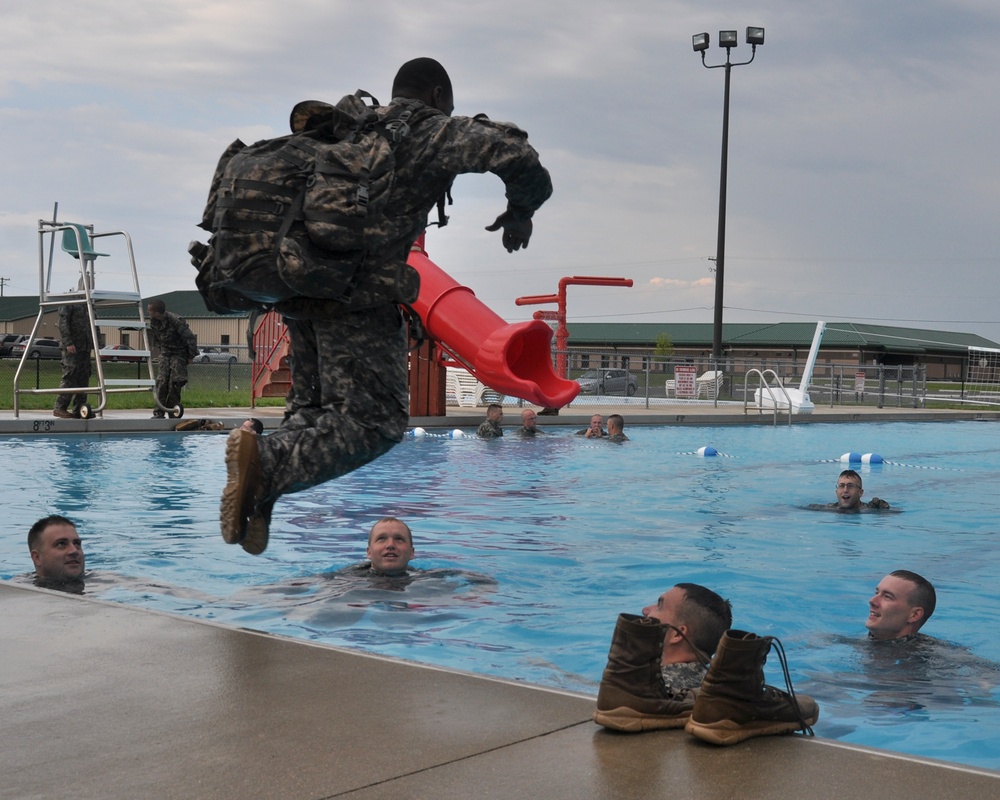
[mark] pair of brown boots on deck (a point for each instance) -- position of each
(732, 704)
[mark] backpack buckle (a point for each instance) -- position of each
(398, 129)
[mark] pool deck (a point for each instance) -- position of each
(100, 700)
(107, 702)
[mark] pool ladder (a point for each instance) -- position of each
(766, 386)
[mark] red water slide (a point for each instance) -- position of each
(514, 359)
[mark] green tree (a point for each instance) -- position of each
(664, 347)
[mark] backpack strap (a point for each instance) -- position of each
(444, 199)
(414, 326)
(361, 94)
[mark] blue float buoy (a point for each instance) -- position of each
(862, 458)
(707, 452)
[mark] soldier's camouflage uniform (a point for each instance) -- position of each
(349, 378)
(74, 329)
(489, 429)
(681, 677)
(177, 345)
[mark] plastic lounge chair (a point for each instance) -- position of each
(710, 383)
(468, 390)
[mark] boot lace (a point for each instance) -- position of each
(779, 648)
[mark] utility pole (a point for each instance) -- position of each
(3, 282)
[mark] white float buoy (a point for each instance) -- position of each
(862, 458)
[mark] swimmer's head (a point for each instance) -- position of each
(252, 424)
(902, 603)
(849, 489)
(390, 546)
(56, 549)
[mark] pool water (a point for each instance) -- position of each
(533, 547)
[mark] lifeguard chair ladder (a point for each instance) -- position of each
(121, 310)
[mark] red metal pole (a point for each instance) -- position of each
(562, 332)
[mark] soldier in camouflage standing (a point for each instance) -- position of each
(178, 347)
(349, 378)
(75, 337)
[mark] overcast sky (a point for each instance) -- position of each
(863, 164)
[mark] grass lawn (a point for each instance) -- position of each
(209, 385)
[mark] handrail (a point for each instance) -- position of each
(765, 384)
(271, 345)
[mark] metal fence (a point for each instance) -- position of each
(226, 381)
(656, 381)
(652, 381)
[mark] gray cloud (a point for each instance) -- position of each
(862, 162)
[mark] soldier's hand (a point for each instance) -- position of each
(516, 232)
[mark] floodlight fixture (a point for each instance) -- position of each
(700, 42)
(728, 39)
(755, 36)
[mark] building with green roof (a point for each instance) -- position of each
(943, 353)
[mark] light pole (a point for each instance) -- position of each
(700, 42)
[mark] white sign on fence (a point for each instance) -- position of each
(686, 377)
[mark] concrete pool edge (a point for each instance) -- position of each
(121, 702)
(139, 420)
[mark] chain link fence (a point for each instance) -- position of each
(608, 378)
(636, 380)
(209, 383)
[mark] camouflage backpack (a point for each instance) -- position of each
(294, 216)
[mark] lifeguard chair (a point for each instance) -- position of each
(112, 309)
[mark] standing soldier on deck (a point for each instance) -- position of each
(178, 347)
(75, 338)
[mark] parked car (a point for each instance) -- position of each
(608, 381)
(213, 355)
(7, 342)
(39, 348)
(120, 352)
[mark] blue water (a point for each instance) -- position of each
(535, 547)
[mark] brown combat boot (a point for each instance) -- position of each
(258, 530)
(734, 703)
(632, 697)
(243, 488)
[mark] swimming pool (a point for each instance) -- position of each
(547, 540)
